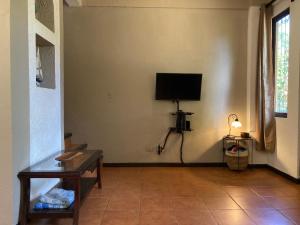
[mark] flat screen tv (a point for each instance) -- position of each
(178, 86)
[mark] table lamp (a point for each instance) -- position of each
(233, 121)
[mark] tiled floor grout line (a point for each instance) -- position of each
(213, 217)
(271, 207)
(105, 209)
(140, 209)
(278, 210)
(145, 179)
(243, 210)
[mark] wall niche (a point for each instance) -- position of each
(44, 12)
(45, 63)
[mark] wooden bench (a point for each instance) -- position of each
(71, 172)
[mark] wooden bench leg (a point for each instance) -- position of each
(24, 201)
(99, 179)
(77, 202)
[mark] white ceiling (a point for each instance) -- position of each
(166, 3)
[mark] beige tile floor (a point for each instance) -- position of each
(189, 196)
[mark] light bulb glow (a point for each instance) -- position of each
(236, 124)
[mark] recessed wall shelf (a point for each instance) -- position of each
(45, 63)
(44, 12)
(42, 42)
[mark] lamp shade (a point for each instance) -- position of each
(236, 124)
(233, 121)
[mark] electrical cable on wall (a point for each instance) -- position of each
(175, 87)
(182, 125)
(181, 148)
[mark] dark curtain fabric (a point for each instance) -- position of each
(265, 90)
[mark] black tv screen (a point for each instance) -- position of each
(175, 86)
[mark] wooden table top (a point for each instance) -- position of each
(51, 166)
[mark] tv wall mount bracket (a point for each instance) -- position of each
(182, 125)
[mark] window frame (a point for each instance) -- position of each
(275, 19)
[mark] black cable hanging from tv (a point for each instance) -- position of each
(181, 148)
(181, 127)
(176, 87)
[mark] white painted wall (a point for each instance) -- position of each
(111, 57)
(20, 95)
(6, 169)
(286, 156)
(180, 4)
(45, 104)
(62, 69)
(23, 108)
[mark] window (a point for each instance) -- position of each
(281, 42)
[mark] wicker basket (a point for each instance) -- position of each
(236, 162)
